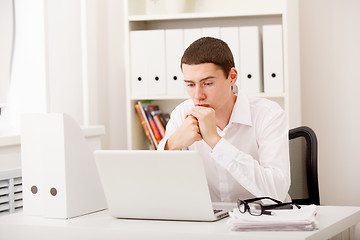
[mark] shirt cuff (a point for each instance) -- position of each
(224, 153)
(162, 143)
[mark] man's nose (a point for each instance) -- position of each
(199, 93)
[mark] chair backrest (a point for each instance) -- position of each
(304, 187)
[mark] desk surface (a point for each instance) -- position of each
(100, 225)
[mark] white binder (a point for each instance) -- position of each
(174, 49)
(156, 62)
(230, 35)
(190, 35)
(250, 70)
(138, 64)
(211, 32)
(60, 179)
(31, 163)
(273, 59)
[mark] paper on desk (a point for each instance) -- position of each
(282, 220)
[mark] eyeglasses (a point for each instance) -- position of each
(257, 209)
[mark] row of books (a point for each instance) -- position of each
(153, 122)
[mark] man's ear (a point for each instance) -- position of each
(233, 75)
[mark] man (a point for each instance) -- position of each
(243, 142)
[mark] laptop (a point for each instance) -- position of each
(166, 185)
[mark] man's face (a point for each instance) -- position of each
(207, 84)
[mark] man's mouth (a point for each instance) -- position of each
(202, 105)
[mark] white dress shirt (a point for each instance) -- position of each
(252, 157)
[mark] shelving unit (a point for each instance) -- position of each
(203, 14)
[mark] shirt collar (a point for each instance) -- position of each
(241, 112)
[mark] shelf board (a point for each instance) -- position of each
(9, 140)
(262, 95)
(266, 95)
(204, 15)
(165, 97)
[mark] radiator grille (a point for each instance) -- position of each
(11, 199)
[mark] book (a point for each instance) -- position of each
(145, 124)
(166, 118)
(159, 125)
(152, 123)
(155, 112)
(147, 121)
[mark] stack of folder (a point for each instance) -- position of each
(155, 58)
(303, 219)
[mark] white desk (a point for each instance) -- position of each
(100, 225)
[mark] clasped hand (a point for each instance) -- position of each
(200, 123)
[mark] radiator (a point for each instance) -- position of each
(10, 191)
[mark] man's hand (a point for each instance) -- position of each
(185, 135)
(207, 124)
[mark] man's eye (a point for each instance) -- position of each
(190, 84)
(208, 83)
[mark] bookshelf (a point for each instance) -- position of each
(199, 14)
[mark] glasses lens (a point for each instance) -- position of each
(241, 206)
(254, 209)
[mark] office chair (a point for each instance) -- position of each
(304, 187)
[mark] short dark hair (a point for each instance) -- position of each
(209, 50)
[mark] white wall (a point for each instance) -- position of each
(330, 77)
(64, 58)
(6, 19)
(111, 75)
(105, 103)
(105, 66)
(83, 69)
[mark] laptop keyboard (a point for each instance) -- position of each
(217, 210)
